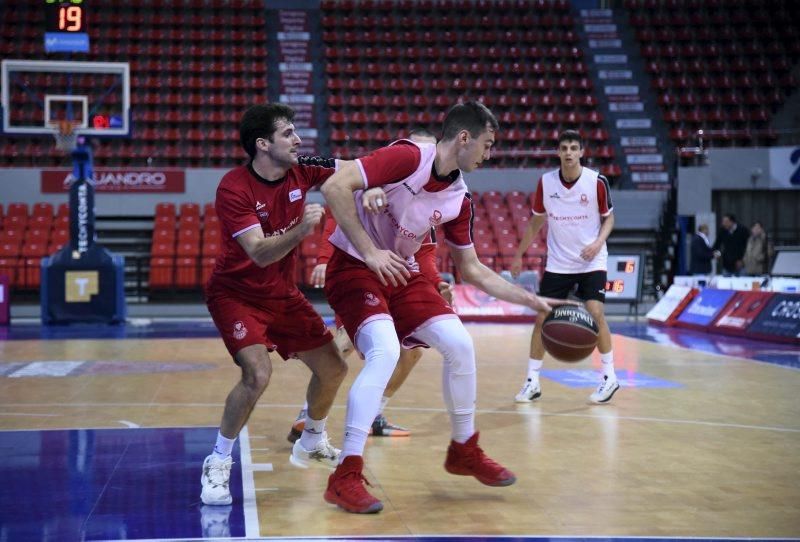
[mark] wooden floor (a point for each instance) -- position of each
(715, 455)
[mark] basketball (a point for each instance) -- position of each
(569, 333)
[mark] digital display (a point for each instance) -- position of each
(65, 16)
(626, 266)
(623, 281)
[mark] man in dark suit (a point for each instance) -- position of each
(702, 253)
(730, 245)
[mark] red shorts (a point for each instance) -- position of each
(357, 296)
(287, 325)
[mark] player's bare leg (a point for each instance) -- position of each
(256, 372)
(328, 370)
(531, 388)
(609, 384)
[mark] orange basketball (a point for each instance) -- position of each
(569, 333)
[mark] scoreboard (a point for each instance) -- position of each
(624, 277)
(66, 28)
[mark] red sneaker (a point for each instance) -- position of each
(469, 460)
(346, 488)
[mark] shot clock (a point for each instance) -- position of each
(624, 277)
(66, 28)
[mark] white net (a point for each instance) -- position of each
(65, 136)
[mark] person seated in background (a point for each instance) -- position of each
(702, 253)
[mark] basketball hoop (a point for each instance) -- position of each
(66, 137)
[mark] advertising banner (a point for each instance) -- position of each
(119, 180)
(779, 321)
(740, 312)
(671, 305)
(704, 308)
(473, 305)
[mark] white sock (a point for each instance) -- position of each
(312, 433)
(355, 440)
(607, 360)
(534, 366)
(223, 447)
(384, 402)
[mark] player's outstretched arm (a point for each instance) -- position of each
(268, 250)
(338, 192)
(483, 278)
(530, 234)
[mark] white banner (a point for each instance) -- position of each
(784, 167)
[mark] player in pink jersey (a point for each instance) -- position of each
(426, 256)
(575, 201)
(252, 296)
(373, 283)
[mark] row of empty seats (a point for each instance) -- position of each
(723, 68)
(186, 240)
(27, 235)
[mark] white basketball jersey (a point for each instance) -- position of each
(573, 222)
(404, 224)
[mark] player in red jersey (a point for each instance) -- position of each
(426, 256)
(252, 296)
(373, 283)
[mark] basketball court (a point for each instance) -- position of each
(104, 429)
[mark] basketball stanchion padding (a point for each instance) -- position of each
(569, 333)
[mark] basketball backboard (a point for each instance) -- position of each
(39, 95)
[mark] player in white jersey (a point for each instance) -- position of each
(575, 202)
(373, 284)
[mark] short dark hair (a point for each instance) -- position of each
(422, 132)
(259, 122)
(470, 116)
(730, 216)
(570, 135)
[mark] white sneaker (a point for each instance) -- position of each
(215, 478)
(215, 521)
(530, 390)
(323, 455)
(605, 391)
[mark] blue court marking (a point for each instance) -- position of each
(785, 355)
(587, 378)
(112, 484)
(200, 328)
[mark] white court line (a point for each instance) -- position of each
(259, 449)
(261, 467)
(251, 529)
(406, 409)
(126, 423)
(30, 414)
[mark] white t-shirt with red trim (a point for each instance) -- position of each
(573, 219)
